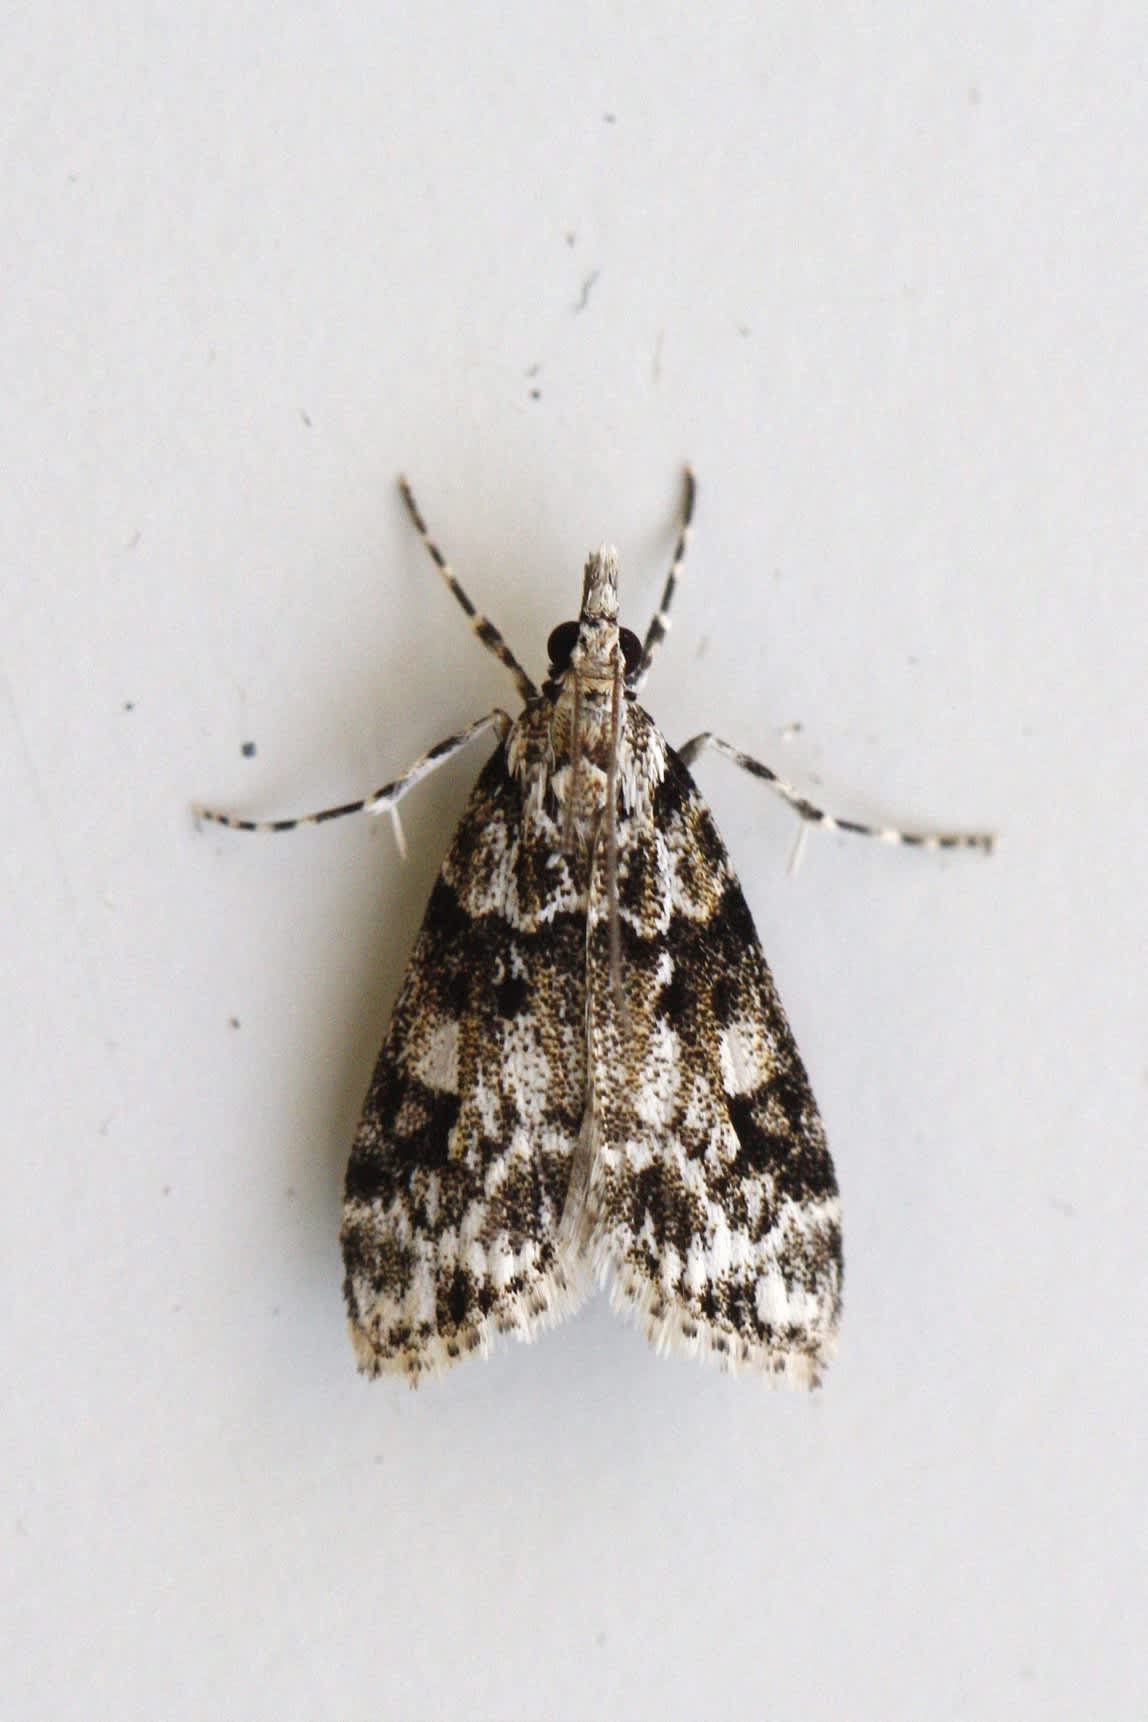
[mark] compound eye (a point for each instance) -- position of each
(560, 645)
(631, 649)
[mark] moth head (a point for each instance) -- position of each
(600, 586)
(592, 644)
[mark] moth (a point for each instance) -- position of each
(589, 1077)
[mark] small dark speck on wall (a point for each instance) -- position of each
(587, 289)
(248, 750)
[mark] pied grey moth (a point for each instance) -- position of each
(588, 1077)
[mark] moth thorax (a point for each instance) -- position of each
(579, 791)
(585, 728)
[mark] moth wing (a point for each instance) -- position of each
(711, 1201)
(459, 1170)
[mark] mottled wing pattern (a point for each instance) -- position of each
(712, 1204)
(459, 1171)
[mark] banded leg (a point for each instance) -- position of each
(818, 816)
(485, 630)
(660, 626)
(384, 800)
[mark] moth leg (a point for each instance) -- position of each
(660, 626)
(384, 800)
(484, 629)
(830, 821)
